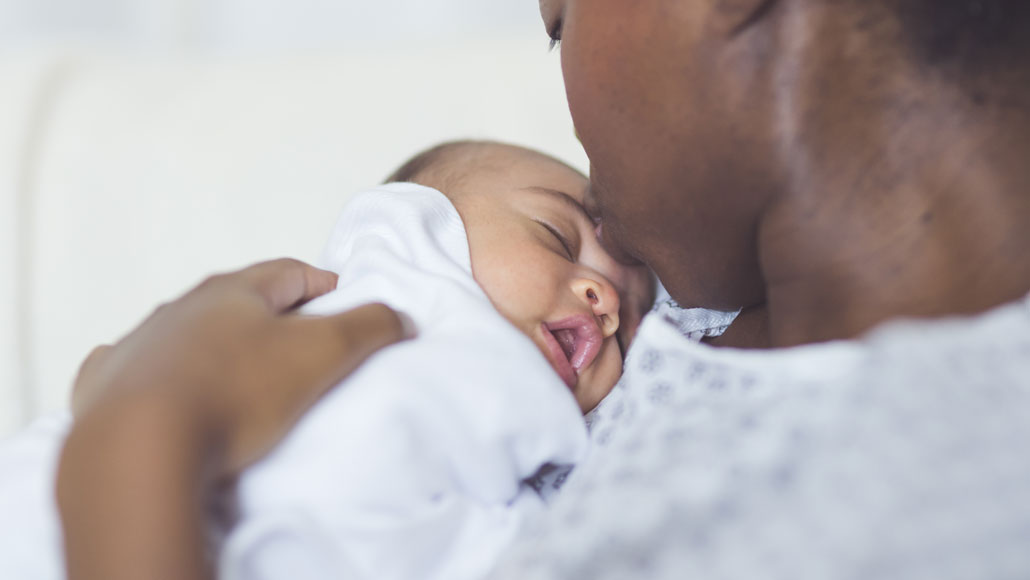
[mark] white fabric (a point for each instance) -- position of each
(899, 456)
(694, 323)
(412, 468)
(30, 535)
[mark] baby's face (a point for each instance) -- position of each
(535, 253)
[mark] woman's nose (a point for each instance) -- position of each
(603, 300)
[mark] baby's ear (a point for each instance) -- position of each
(736, 16)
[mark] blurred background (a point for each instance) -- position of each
(264, 27)
(145, 144)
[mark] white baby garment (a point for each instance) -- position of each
(411, 468)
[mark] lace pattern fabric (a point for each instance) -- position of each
(900, 456)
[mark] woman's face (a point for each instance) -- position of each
(667, 104)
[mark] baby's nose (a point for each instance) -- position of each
(603, 300)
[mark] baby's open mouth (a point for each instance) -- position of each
(566, 338)
(574, 343)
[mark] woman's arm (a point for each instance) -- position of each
(205, 386)
(132, 481)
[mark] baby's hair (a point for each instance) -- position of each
(437, 166)
(444, 166)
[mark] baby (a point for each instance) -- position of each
(416, 466)
(484, 245)
(536, 254)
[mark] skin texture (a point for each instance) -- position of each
(510, 202)
(637, 111)
(791, 153)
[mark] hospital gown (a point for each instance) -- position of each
(905, 454)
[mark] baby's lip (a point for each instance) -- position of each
(573, 343)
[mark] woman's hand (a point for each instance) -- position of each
(205, 386)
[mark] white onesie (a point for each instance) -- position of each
(412, 467)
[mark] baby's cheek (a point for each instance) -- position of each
(608, 370)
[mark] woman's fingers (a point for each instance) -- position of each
(367, 328)
(302, 360)
(286, 283)
(333, 346)
(95, 359)
(81, 391)
(232, 351)
(203, 387)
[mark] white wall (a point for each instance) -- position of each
(259, 27)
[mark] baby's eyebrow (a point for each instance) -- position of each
(564, 198)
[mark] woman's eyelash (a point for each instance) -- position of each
(555, 33)
(561, 239)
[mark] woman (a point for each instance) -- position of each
(841, 163)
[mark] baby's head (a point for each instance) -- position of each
(535, 253)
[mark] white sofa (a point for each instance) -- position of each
(125, 180)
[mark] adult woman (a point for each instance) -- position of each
(843, 163)
(772, 150)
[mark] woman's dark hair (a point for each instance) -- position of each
(969, 36)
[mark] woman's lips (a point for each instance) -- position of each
(573, 343)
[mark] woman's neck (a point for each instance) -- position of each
(919, 212)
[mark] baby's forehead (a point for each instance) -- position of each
(564, 200)
(533, 174)
(491, 157)
(496, 172)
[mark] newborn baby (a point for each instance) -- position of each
(415, 466)
(535, 253)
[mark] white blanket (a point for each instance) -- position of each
(412, 467)
(30, 534)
